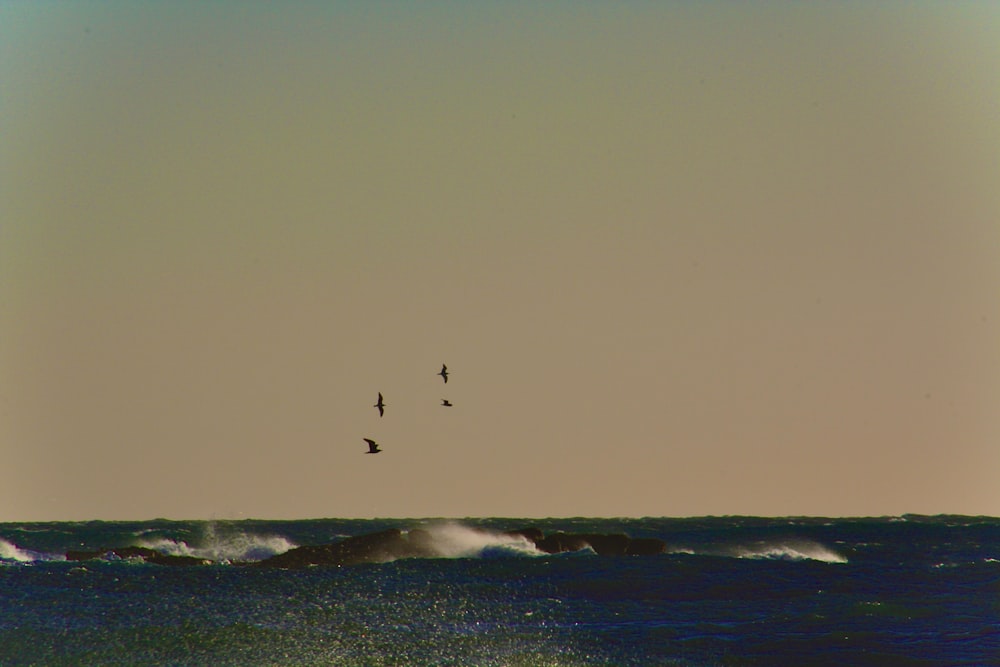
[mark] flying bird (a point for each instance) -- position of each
(372, 446)
(446, 403)
(444, 373)
(380, 405)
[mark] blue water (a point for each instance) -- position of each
(729, 591)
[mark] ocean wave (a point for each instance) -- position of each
(454, 540)
(221, 545)
(10, 552)
(796, 551)
(799, 550)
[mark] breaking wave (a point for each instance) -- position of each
(227, 543)
(10, 552)
(796, 550)
(221, 545)
(454, 540)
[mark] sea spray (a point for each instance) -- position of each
(221, 543)
(794, 550)
(454, 540)
(10, 552)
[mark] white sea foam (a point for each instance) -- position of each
(454, 540)
(11, 552)
(798, 550)
(686, 551)
(222, 546)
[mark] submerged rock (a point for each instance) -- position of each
(380, 547)
(645, 546)
(141, 553)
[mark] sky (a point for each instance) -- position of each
(680, 258)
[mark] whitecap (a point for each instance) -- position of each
(454, 540)
(684, 551)
(222, 545)
(796, 551)
(11, 552)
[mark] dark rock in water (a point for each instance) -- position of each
(143, 553)
(608, 545)
(420, 540)
(560, 542)
(393, 544)
(645, 546)
(381, 547)
(164, 559)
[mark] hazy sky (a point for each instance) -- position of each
(681, 258)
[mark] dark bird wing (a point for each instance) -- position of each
(372, 446)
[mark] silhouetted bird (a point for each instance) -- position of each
(444, 372)
(372, 446)
(446, 403)
(380, 405)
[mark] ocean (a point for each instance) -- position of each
(911, 590)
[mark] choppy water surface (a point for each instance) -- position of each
(728, 591)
